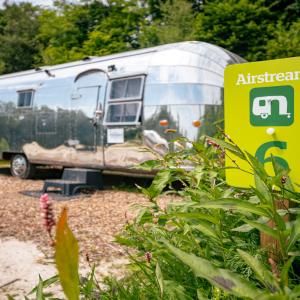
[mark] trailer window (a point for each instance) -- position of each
(25, 98)
(128, 88)
(125, 113)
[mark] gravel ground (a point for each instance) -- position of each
(94, 218)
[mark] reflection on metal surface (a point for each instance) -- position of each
(19, 165)
(163, 122)
(197, 123)
(119, 155)
(154, 141)
(88, 116)
(180, 119)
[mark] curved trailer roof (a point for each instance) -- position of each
(195, 54)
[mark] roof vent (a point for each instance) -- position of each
(86, 58)
(111, 68)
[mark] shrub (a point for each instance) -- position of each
(207, 246)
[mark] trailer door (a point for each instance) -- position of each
(87, 104)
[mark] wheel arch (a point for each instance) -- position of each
(8, 155)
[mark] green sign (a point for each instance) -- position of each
(272, 106)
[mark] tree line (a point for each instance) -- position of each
(31, 36)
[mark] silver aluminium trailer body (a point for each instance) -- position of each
(102, 112)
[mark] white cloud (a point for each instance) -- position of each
(36, 2)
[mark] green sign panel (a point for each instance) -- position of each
(272, 106)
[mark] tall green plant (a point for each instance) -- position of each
(205, 244)
(215, 230)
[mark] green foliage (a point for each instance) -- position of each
(204, 245)
(19, 25)
(213, 232)
(31, 36)
(118, 31)
(241, 26)
(224, 279)
(285, 42)
(174, 25)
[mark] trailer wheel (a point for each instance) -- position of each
(21, 167)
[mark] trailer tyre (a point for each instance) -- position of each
(21, 167)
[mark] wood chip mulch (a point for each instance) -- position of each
(94, 218)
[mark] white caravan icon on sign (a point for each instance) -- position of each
(262, 106)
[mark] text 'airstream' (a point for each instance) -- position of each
(102, 112)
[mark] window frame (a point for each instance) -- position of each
(135, 122)
(32, 91)
(138, 97)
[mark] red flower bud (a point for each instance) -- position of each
(148, 256)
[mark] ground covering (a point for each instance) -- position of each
(206, 246)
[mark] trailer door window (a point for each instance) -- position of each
(25, 98)
(123, 113)
(128, 88)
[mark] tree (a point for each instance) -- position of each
(286, 43)
(119, 31)
(175, 24)
(18, 29)
(242, 26)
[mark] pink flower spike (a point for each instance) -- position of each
(44, 198)
(47, 213)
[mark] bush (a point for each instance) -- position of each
(207, 246)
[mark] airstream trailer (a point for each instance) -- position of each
(102, 112)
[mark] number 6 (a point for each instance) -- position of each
(261, 152)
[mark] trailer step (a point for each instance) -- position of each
(75, 179)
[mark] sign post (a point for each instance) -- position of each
(262, 115)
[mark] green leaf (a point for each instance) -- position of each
(66, 258)
(200, 295)
(148, 165)
(46, 283)
(39, 291)
(193, 216)
(296, 291)
(264, 228)
(262, 273)
(269, 296)
(160, 181)
(257, 166)
(159, 279)
(285, 270)
(235, 204)
(175, 291)
(295, 234)
(243, 228)
(262, 189)
(143, 216)
(206, 228)
(248, 227)
(225, 279)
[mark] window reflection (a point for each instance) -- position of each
(165, 94)
(209, 74)
(25, 99)
(123, 112)
(126, 88)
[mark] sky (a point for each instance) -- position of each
(37, 2)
